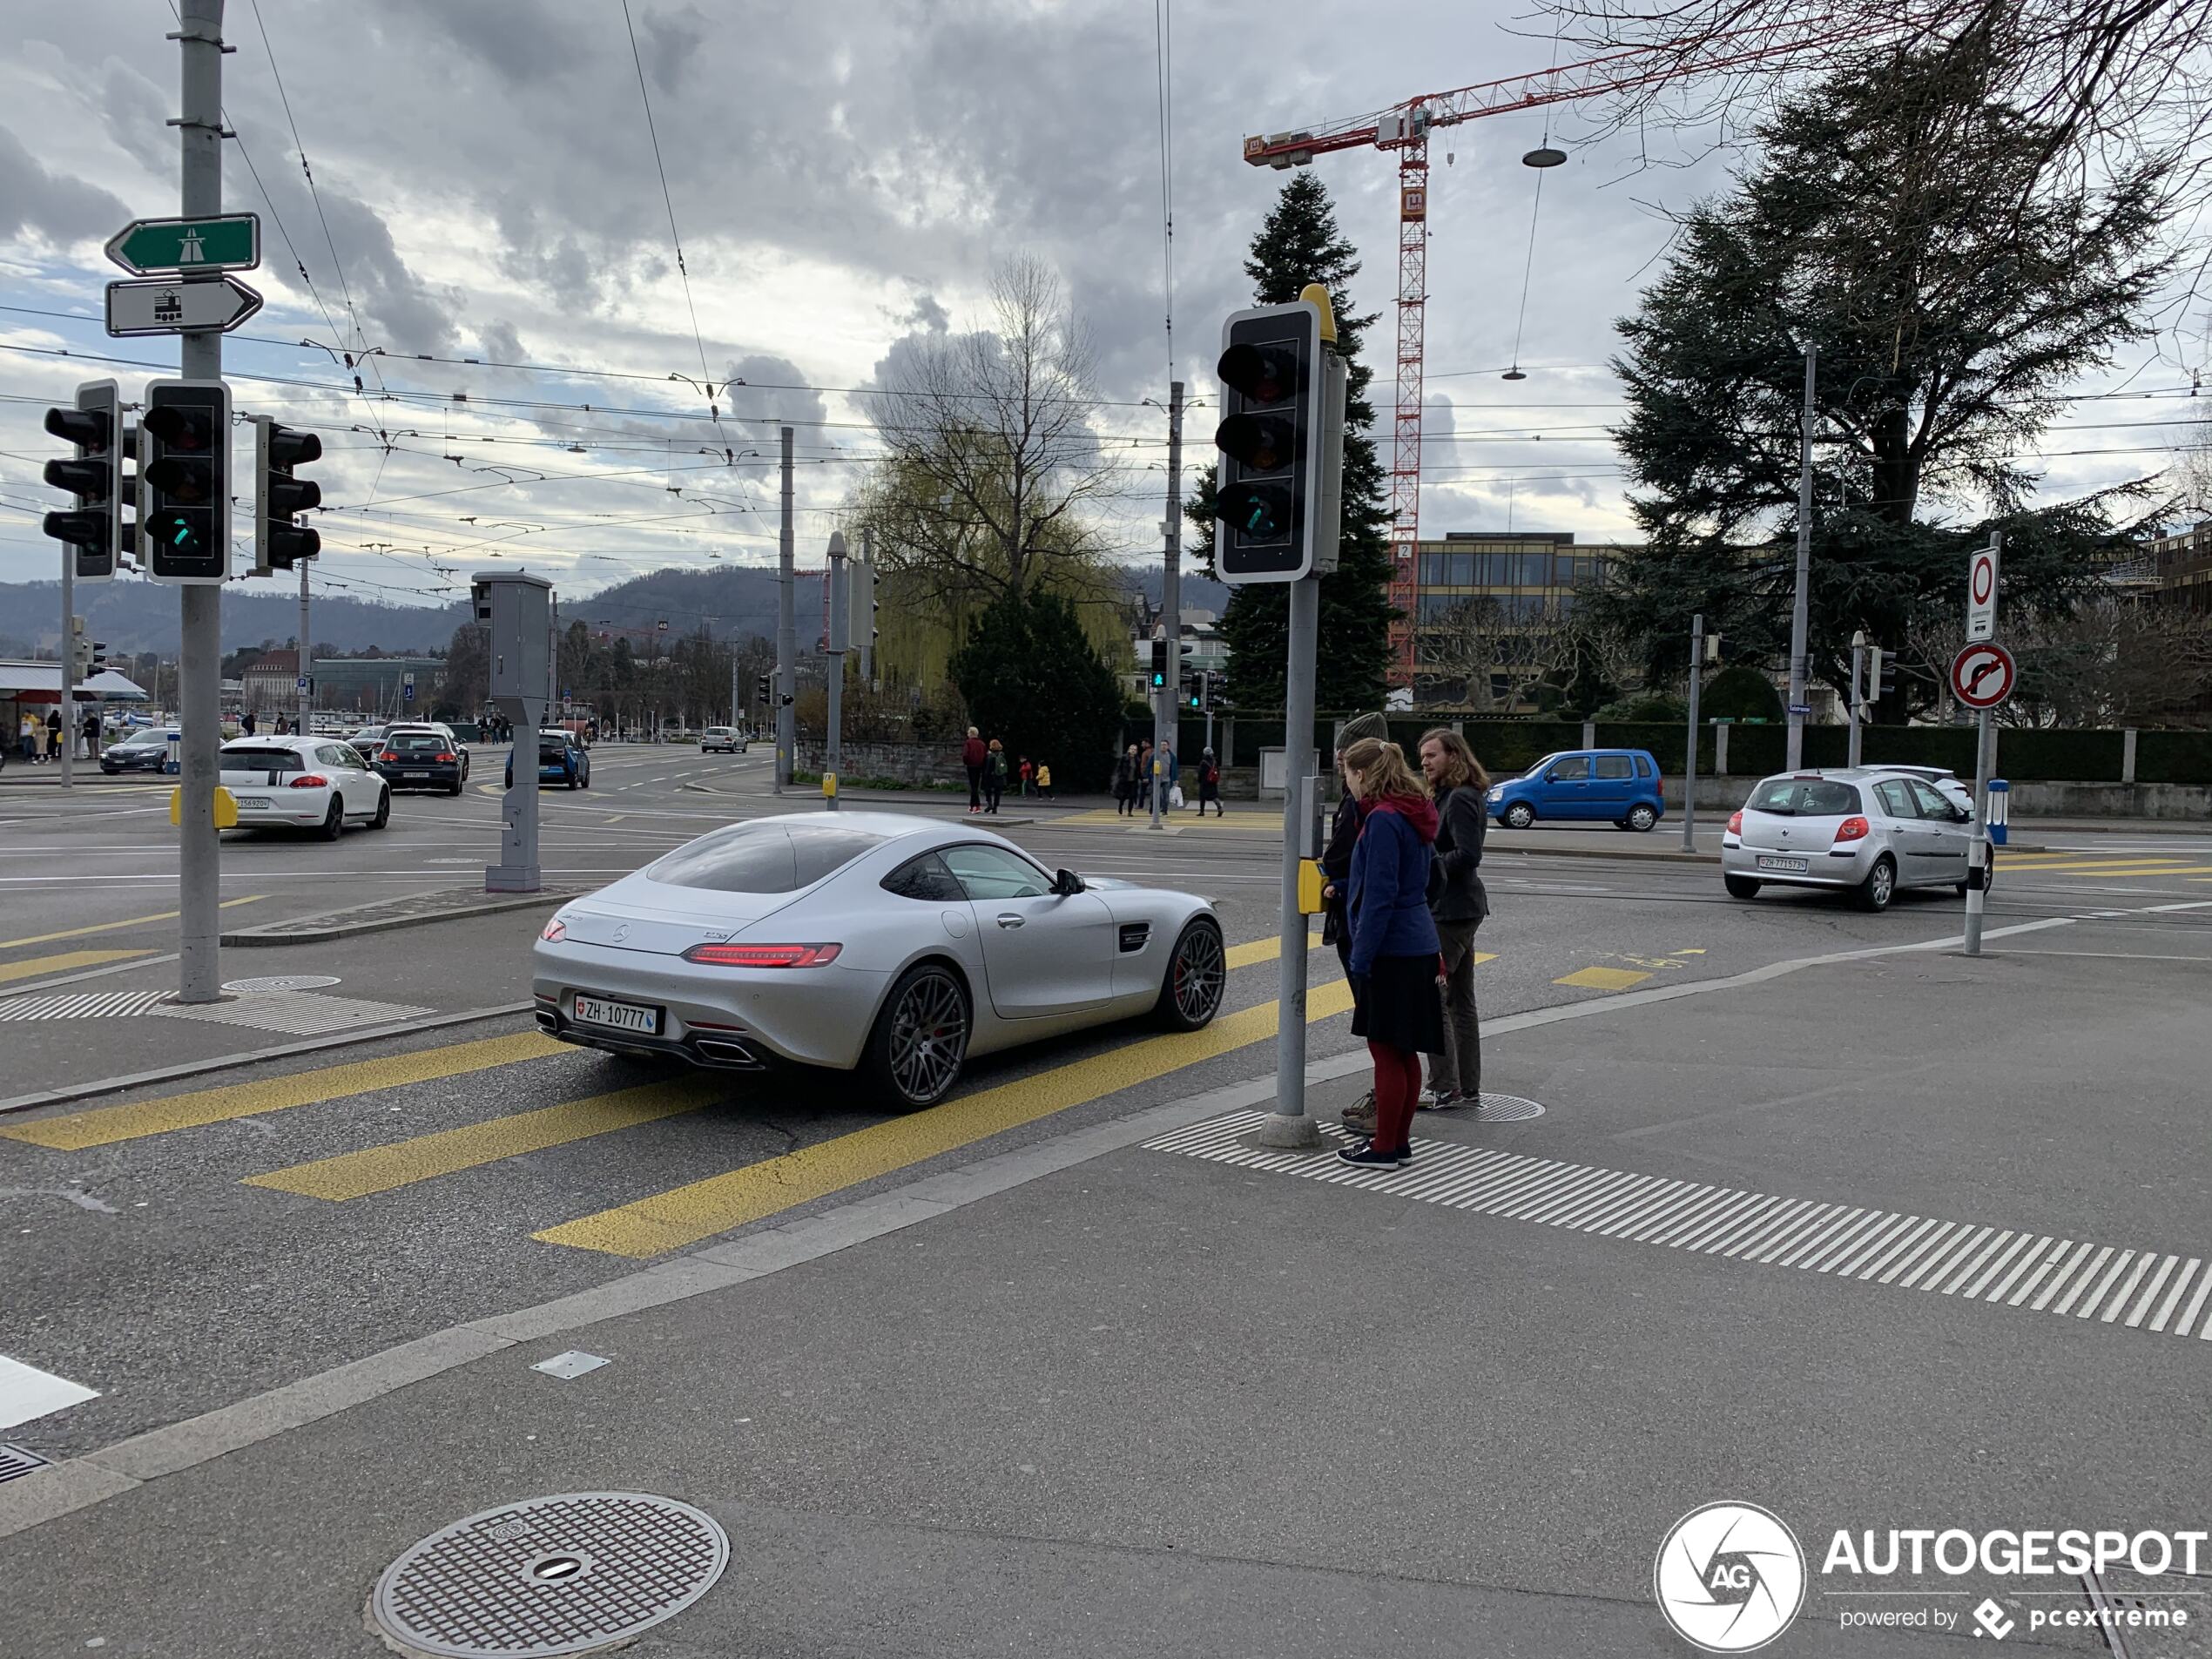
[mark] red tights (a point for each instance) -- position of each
(1398, 1088)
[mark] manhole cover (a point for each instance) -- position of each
(551, 1576)
(281, 982)
(1505, 1108)
(17, 1461)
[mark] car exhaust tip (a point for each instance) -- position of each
(721, 1051)
(548, 1020)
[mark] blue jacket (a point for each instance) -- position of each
(1389, 914)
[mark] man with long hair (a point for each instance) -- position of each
(1461, 903)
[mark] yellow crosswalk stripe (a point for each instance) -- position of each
(380, 1168)
(112, 926)
(106, 1125)
(1262, 950)
(686, 1214)
(1602, 979)
(2129, 867)
(62, 961)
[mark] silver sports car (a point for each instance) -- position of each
(892, 945)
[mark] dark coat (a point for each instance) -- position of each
(1390, 883)
(1459, 854)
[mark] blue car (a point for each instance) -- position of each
(560, 761)
(1603, 785)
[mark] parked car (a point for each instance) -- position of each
(897, 946)
(143, 751)
(1605, 785)
(420, 760)
(722, 739)
(1867, 831)
(303, 782)
(560, 761)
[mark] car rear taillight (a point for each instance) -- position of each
(389, 755)
(1854, 829)
(310, 780)
(445, 760)
(1736, 822)
(762, 955)
(554, 931)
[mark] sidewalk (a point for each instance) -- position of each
(1147, 1393)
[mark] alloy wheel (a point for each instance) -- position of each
(929, 1038)
(1200, 973)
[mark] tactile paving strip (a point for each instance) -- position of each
(80, 1005)
(2136, 1290)
(551, 1576)
(299, 1013)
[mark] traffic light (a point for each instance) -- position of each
(766, 690)
(184, 480)
(1159, 664)
(1268, 490)
(1885, 675)
(80, 649)
(859, 583)
(94, 530)
(97, 663)
(278, 498)
(1194, 690)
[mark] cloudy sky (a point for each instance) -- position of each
(842, 176)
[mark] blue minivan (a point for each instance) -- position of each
(1604, 785)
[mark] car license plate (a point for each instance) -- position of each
(418, 774)
(252, 803)
(1797, 867)
(621, 1016)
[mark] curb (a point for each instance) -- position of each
(224, 1061)
(281, 933)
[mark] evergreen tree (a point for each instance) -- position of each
(1034, 682)
(1301, 244)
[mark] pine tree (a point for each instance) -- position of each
(1301, 244)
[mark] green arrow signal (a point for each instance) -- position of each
(231, 242)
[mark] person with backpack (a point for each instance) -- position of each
(1396, 1005)
(1208, 783)
(994, 777)
(1460, 904)
(973, 754)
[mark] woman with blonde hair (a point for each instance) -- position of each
(1393, 960)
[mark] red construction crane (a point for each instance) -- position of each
(1405, 127)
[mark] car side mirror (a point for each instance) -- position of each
(1960, 815)
(1067, 883)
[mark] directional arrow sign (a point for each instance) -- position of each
(1983, 676)
(230, 242)
(176, 307)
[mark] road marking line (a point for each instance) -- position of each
(380, 1168)
(32, 967)
(106, 1125)
(687, 1214)
(1262, 950)
(1831, 1240)
(1602, 979)
(111, 926)
(27, 1392)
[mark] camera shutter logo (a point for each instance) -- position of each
(1729, 1577)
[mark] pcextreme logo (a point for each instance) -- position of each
(1729, 1577)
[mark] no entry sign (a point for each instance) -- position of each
(1983, 676)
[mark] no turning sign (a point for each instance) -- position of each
(1983, 676)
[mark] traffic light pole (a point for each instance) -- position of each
(306, 675)
(1167, 699)
(786, 634)
(69, 659)
(1800, 601)
(200, 669)
(840, 626)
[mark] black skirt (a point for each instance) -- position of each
(1400, 1005)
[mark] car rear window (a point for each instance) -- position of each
(263, 760)
(416, 743)
(1805, 798)
(767, 857)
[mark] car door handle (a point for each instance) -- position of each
(1010, 919)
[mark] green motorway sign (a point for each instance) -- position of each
(231, 242)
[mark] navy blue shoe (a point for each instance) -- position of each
(1366, 1154)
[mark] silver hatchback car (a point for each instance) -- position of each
(1868, 829)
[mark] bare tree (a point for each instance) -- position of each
(991, 458)
(2119, 661)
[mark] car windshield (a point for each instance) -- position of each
(1805, 798)
(238, 759)
(144, 740)
(762, 857)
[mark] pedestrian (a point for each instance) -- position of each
(1044, 780)
(1208, 783)
(1125, 783)
(246, 723)
(1397, 1006)
(54, 732)
(92, 734)
(1144, 770)
(27, 736)
(1029, 776)
(1336, 873)
(1461, 904)
(994, 777)
(1171, 771)
(973, 754)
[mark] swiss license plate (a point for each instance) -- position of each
(620, 1016)
(418, 774)
(252, 803)
(1794, 867)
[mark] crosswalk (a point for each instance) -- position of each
(2129, 866)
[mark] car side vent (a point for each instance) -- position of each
(1134, 933)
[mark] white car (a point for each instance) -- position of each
(1959, 793)
(314, 783)
(725, 739)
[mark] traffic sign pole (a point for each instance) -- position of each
(1978, 840)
